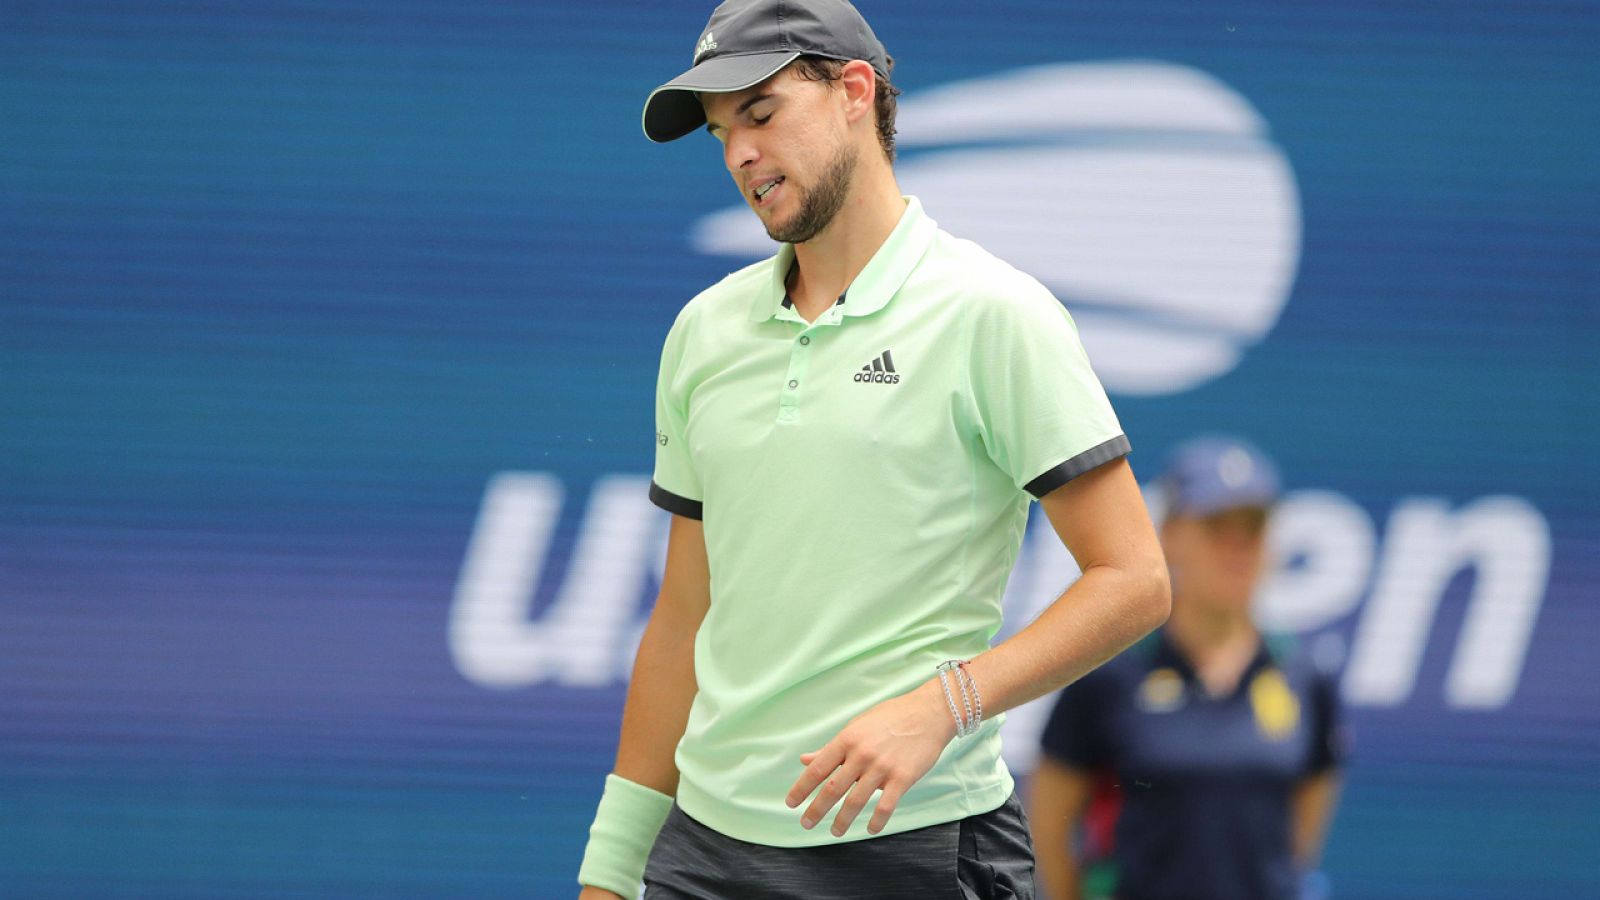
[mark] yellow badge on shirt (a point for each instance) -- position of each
(1276, 709)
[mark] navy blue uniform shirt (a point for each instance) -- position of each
(1206, 781)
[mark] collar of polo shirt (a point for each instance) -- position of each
(877, 283)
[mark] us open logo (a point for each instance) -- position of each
(1146, 195)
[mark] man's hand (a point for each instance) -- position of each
(886, 748)
(590, 892)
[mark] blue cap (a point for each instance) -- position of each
(1211, 474)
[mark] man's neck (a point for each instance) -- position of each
(826, 265)
(1218, 645)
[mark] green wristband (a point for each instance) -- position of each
(624, 829)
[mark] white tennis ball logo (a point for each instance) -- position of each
(1146, 195)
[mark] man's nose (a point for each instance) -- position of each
(740, 151)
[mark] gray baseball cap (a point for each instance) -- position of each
(746, 42)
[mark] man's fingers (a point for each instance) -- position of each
(854, 803)
(832, 790)
(887, 801)
(822, 764)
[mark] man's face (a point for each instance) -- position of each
(1217, 560)
(787, 145)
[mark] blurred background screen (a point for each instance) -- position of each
(328, 338)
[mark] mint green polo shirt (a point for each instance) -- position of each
(864, 483)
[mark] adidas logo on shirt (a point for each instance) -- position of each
(879, 371)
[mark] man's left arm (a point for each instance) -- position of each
(1122, 595)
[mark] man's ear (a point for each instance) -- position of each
(860, 85)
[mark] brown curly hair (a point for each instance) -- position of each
(822, 68)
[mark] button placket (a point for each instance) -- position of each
(794, 378)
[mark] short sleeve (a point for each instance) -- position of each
(1075, 733)
(674, 486)
(1329, 740)
(1043, 416)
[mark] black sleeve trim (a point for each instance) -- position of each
(672, 503)
(1094, 456)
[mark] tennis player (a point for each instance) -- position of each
(1224, 742)
(848, 437)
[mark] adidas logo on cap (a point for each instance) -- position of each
(706, 45)
(879, 371)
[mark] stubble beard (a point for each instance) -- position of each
(819, 205)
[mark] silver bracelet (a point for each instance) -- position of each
(955, 712)
(977, 698)
(966, 724)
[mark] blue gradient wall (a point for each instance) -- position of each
(327, 342)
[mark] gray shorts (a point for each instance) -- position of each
(982, 857)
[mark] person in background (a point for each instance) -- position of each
(1223, 743)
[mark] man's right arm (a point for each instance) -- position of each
(663, 683)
